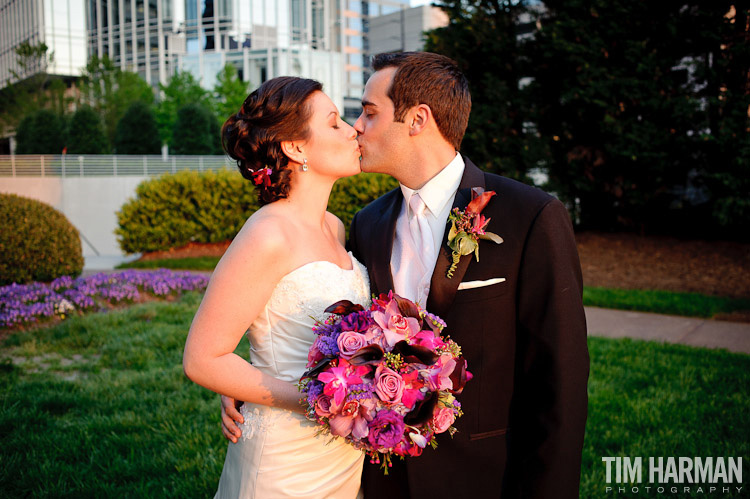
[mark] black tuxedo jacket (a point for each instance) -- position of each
(525, 342)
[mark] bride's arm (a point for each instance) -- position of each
(237, 292)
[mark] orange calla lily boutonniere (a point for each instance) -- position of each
(467, 228)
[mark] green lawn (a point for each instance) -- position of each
(100, 407)
(193, 263)
(662, 302)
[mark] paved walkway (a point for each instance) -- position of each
(734, 336)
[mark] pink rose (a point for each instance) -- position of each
(389, 385)
(349, 342)
(324, 406)
(443, 419)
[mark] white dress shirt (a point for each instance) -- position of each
(413, 281)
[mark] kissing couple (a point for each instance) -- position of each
(517, 313)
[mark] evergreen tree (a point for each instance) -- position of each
(86, 133)
(110, 91)
(192, 132)
(619, 94)
(137, 132)
(41, 132)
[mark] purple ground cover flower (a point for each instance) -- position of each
(26, 303)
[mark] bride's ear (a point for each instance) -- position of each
(293, 149)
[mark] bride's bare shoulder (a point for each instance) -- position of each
(264, 236)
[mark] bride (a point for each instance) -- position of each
(284, 267)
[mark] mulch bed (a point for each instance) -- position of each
(629, 261)
(625, 261)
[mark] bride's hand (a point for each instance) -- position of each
(230, 416)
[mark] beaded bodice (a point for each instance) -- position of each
(282, 334)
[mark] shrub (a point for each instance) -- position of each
(86, 133)
(207, 207)
(136, 132)
(37, 242)
(351, 194)
(175, 209)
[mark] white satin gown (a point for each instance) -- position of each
(279, 454)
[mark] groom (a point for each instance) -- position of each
(517, 313)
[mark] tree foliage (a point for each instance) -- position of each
(481, 38)
(34, 88)
(40, 132)
(195, 131)
(230, 92)
(182, 89)
(137, 132)
(637, 110)
(110, 91)
(86, 133)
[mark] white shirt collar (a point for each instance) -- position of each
(441, 188)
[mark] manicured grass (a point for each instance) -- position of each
(101, 408)
(663, 302)
(98, 406)
(193, 263)
(652, 399)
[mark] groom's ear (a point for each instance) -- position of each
(419, 118)
(294, 150)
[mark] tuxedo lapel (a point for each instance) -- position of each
(442, 289)
(383, 246)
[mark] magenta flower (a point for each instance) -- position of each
(428, 339)
(386, 429)
(337, 378)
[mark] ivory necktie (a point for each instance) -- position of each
(423, 243)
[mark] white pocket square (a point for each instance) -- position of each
(479, 284)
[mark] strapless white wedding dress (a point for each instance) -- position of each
(279, 454)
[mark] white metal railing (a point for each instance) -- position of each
(73, 165)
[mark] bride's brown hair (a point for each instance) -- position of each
(275, 112)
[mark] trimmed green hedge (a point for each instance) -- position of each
(37, 242)
(351, 194)
(175, 209)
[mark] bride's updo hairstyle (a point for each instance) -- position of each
(276, 111)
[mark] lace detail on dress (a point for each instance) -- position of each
(254, 421)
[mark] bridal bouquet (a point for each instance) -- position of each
(384, 379)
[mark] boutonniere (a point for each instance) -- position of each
(467, 228)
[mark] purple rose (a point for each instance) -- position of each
(386, 429)
(349, 342)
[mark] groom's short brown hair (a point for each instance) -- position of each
(432, 79)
